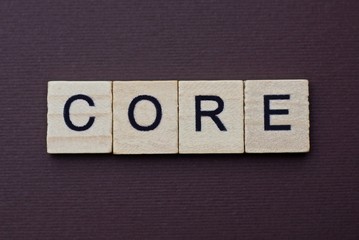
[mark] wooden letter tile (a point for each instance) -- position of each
(276, 116)
(145, 117)
(211, 116)
(79, 117)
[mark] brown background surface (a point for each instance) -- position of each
(277, 196)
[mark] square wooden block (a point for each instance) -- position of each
(145, 117)
(79, 118)
(211, 116)
(276, 116)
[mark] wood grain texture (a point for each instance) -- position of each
(87, 125)
(267, 196)
(154, 126)
(276, 116)
(222, 130)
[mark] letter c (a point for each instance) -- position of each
(67, 112)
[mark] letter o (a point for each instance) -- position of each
(131, 110)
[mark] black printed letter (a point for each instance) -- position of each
(268, 112)
(131, 111)
(212, 114)
(67, 112)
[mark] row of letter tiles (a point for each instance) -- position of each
(169, 117)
